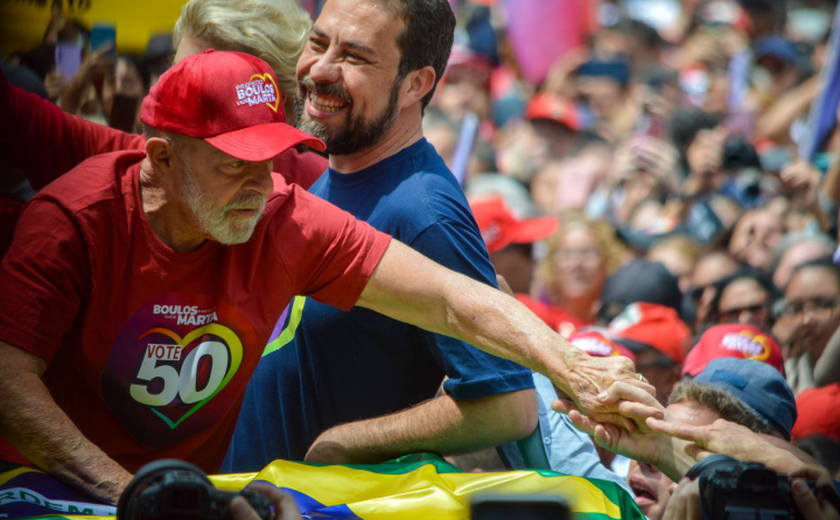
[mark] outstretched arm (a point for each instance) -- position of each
(408, 287)
(440, 425)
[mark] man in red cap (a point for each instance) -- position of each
(129, 331)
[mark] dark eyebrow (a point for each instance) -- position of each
(352, 45)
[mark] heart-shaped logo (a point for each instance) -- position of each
(230, 357)
(267, 78)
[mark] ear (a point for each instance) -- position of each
(416, 85)
(161, 155)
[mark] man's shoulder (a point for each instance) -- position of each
(301, 168)
(97, 179)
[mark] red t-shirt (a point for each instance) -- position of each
(149, 350)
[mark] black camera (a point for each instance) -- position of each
(177, 490)
(733, 490)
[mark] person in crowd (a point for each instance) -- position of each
(345, 406)
(580, 257)
(745, 297)
(711, 267)
(808, 315)
(510, 242)
(796, 249)
(192, 238)
(756, 237)
(639, 281)
(746, 393)
(680, 255)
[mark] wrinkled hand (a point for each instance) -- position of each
(634, 404)
(684, 503)
(586, 377)
(283, 503)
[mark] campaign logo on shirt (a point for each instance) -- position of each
(177, 367)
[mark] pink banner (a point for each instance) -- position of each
(541, 31)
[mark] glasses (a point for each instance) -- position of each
(733, 315)
(800, 308)
(588, 256)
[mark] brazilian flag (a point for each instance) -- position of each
(405, 489)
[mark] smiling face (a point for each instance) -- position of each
(348, 86)
(224, 196)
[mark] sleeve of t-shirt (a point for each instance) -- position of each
(327, 253)
(44, 142)
(472, 372)
(43, 279)
(298, 168)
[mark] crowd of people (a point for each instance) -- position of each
(627, 260)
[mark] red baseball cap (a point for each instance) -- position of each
(734, 340)
(228, 99)
(594, 343)
(817, 408)
(499, 227)
(554, 108)
(643, 325)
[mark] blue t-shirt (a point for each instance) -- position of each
(329, 367)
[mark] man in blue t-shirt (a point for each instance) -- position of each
(358, 387)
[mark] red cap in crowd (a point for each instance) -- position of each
(554, 108)
(734, 340)
(228, 99)
(594, 343)
(499, 227)
(818, 413)
(643, 325)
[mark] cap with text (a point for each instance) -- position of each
(228, 99)
(733, 340)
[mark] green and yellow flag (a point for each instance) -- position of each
(399, 490)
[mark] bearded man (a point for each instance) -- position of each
(357, 387)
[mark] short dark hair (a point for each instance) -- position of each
(427, 37)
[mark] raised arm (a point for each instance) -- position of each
(45, 142)
(409, 287)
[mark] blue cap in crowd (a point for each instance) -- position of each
(758, 385)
